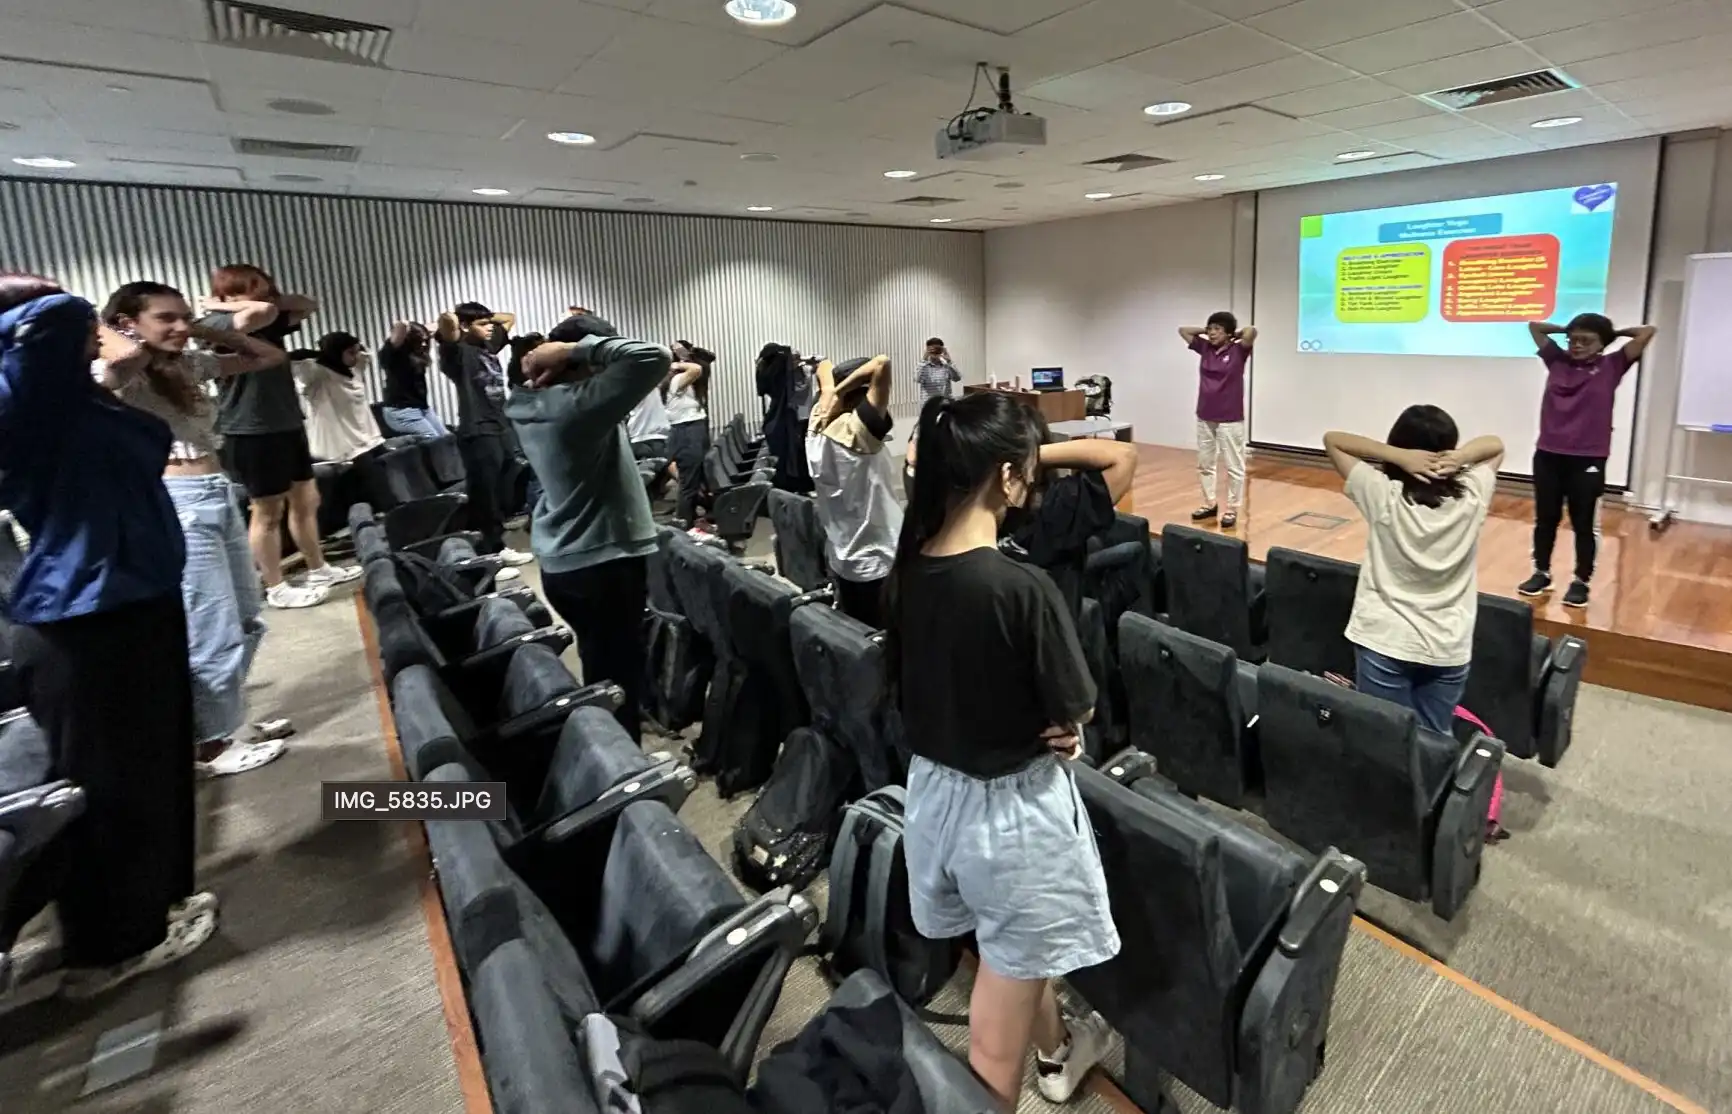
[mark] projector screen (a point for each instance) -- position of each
(1453, 278)
(1378, 292)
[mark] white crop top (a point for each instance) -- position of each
(195, 433)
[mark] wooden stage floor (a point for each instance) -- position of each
(1660, 621)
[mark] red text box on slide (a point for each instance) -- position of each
(1500, 278)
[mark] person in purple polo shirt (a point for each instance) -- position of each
(1575, 439)
(1223, 348)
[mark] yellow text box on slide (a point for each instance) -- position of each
(1383, 284)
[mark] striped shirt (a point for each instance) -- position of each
(936, 376)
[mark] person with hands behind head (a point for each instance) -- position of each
(686, 394)
(1575, 439)
(592, 531)
(99, 643)
(404, 360)
(1079, 484)
(854, 481)
(464, 339)
(1425, 498)
(993, 685)
(1222, 347)
(937, 373)
(147, 363)
(265, 436)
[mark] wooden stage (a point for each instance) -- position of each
(1660, 621)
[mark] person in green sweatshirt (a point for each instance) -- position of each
(591, 530)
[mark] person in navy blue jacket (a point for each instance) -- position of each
(101, 645)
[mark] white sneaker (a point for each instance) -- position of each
(288, 596)
(185, 936)
(327, 576)
(1089, 1037)
(506, 575)
(202, 902)
(513, 557)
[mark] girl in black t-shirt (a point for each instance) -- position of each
(994, 689)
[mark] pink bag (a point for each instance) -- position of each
(1496, 809)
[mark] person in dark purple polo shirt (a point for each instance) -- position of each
(1575, 439)
(1223, 348)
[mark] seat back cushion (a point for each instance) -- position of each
(534, 679)
(403, 641)
(531, 1061)
(24, 757)
(1208, 591)
(424, 729)
(840, 663)
(662, 596)
(594, 754)
(660, 893)
(498, 622)
(1169, 990)
(1184, 706)
(405, 475)
(759, 607)
(1500, 684)
(1309, 600)
(444, 461)
(799, 539)
(455, 550)
(1339, 770)
(695, 570)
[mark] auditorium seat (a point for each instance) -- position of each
(476, 571)
(1231, 948)
(799, 540)
(467, 646)
(33, 813)
(1108, 731)
(755, 700)
(735, 503)
(840, 663)
(1213, 590)
(695, 572)
(1310, 600)
(444, 462)
(865, 1007)
(1125, 579)
(1348, 770)
(436, 614)
(679, 661)
(524, 1029)
(637, 920)
(412, 505)
(1193, 706)
(1523, 684)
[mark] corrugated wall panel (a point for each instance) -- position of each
(729, 285)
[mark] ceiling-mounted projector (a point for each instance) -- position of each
(983, 132)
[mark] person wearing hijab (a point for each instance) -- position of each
(340, 424)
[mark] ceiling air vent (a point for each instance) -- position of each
(924, 201)
(1133, 161)
(281, 31)
(1519, 87)
(285, 149)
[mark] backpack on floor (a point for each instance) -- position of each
(635, 1073)
(784, 839)
(870, 923)
(678, 666)
(430, 588)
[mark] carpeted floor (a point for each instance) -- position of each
(1606, 915)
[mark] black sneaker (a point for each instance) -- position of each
(1536, 585)
(1203, 514)
(1577, 596)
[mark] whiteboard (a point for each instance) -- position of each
(1705, 362)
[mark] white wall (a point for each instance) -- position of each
(1694, 215)
(1106, 295)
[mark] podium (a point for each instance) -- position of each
(1054, 406)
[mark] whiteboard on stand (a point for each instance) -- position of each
(1705, 346)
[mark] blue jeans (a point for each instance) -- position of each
(1432, 691)
(407, 421)
(221, 592)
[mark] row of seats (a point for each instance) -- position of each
(738, 472)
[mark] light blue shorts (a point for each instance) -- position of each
(1012, 860)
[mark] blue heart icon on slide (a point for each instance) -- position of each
(1592, 197)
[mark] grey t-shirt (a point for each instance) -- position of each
(265, 401)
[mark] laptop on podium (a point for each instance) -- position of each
(1047, 378)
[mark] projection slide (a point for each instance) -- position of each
(1453, 278)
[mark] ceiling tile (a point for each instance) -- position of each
(1405, 131)
(1103, 30)
(69, 45)
(1318, 23)
(1701, 51)
(1527, 18)
(1385, 112)
(1241, 9)
(1677, 23)
(146, 17)
(1004, 17)
(530, 65)
(1209, 54)
(1272, 79)
(1463, 69)
(1421, 42)
(1355, 93)
(1110, 88)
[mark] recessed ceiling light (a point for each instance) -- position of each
(491, 191)
(759, 156)
(1209, 177)
(762, 13)
(1097, 196)
(1167, 108)
(46, 163)
(118, 88)
(1556, 122)
(942, 220)
(1354, 156)
(901, 173)
(760, 208)
(575, 139)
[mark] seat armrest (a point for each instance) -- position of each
(668, 781)
(825, 595)
(1129, 766)
(36, 815)
(1336, 880)
(1569, 655)
(1459, 838)
(484, 670)
(550, 716)
(430, 548)
(1478, 764)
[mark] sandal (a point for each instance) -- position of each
(1229, 520)
(264, 731)
(1203, 514)
(238, 758)
(184, 937)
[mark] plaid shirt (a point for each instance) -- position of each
(936, 376)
